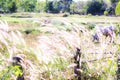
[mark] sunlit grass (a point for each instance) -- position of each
(48, 53)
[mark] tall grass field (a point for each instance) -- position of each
(47, 44)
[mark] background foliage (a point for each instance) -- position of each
(94, 7)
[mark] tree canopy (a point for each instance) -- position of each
(94, 7)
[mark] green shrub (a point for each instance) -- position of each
(91, 26)
(117, 9)
(31, 31)
(65, 15)
(89, 14)
(106, 13)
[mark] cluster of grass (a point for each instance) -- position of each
(12, 44)
(52, 58)
(98, 60)
(37, 64)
